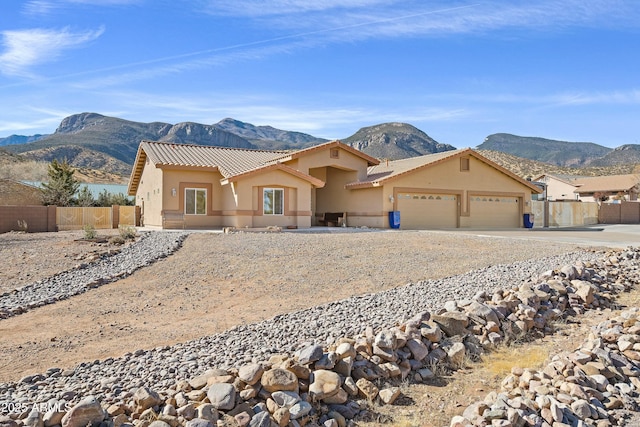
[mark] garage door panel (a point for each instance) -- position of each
(425, 210)
(495, 211)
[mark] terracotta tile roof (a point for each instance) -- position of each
(611, 183)
(299, 153)
(567, 179)
(229, 161)
(386, 171)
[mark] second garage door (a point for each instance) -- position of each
(423, 210)
(495, 212)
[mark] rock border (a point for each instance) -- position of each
(333, 385)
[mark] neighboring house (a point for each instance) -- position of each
(559, 187)
(612, 187)
(211, 187)
(15, 193)
(583, 188)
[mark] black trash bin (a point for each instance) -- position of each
(528, 220)
(394, 219)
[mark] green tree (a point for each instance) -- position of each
(62, 185)
(121, 200)
(104, 199)
(85, 198)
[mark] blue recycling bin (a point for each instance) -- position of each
(394, 219)
(528, 220)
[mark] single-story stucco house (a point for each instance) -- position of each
(331, 183)
(591, 188)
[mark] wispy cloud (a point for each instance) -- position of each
(46, 7)
(24, 49)
(358, 19)
(282, 7)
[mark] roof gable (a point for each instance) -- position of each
(609, 183)
(388, 171)
(230, 162)
(326, 146)
(276, 166)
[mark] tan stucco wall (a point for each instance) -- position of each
(368, 208)
(558, 190)
(322, 158)
(180, 180)
(447, 178)
(248, 192)
(149, 195)
(333, 197)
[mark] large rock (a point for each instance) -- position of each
(87, 411)
(251, 374)
(456, 354)
(310, 354)
(324, 384)
(222, 396)
(483, 311)
(208, 412)
(367, 388)
(584, 291)
(261, 419)
(285, 399)
(199, 422)
(146, 398)
(34, 419)
(279, 380)
(417, 348)
(452, 323)
(385, 339)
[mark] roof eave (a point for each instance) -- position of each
(318, 183)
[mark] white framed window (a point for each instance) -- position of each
(273, 201)
(195, 201)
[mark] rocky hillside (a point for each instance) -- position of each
(20, 139)
(267, 137)
(560, 153)
(99, 136)
(526, 168)
(107, 144)
(623, 155)
(395, 141)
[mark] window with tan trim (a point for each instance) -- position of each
(464, 164)
(334, 153)
(195, 201)
(273, 201)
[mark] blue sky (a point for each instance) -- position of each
(458, 70)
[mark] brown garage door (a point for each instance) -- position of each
(494, 212)
(424, 210)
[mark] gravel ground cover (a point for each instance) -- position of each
(216, 282)
(223, 300)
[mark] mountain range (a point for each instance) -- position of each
(109, 144)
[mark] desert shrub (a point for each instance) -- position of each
(116, 240)
(127, 233)
(89, 232)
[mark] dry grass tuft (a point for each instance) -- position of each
(500, 361)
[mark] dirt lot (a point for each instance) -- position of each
(216, 281)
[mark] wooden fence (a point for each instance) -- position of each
(620, 213)
(52, 218)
